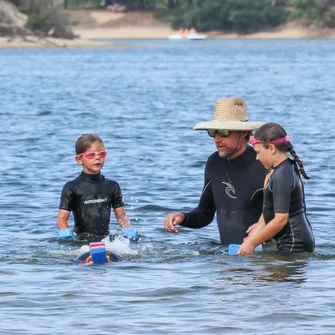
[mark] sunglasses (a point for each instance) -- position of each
(91, 154)
(222, 133)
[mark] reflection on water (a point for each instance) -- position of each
(265, 267)
(144, 102)
(283, 269)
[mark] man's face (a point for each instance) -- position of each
(231, 146)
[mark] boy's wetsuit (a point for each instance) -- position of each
(284, 193)
(233, 189)
(90, 197)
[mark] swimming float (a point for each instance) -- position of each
(98, 255)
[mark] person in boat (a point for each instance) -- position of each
(182, 32)
(233, 182)
(284, 216)
(91, 197)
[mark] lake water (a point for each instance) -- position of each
(143, 101)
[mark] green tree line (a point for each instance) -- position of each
(242, 16)
(230, 15)
(245, 16)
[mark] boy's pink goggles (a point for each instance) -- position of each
(254, 141)
(89, 154)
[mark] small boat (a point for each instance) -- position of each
(187, 35)
(195, 36)
(176, 37)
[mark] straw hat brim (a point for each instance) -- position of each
(228, 125)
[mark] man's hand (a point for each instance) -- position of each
(172, 220)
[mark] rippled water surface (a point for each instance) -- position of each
(143, 101)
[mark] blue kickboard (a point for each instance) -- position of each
(98, 252)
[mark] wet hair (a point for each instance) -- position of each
(85, 141)
(273, 131)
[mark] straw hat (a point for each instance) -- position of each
(229, 114)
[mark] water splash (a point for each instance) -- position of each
(119, 245)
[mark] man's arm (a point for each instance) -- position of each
(199, 217)
(203, 214)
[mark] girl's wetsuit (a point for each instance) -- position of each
(284, 193)
(90, 197)
(233, 189)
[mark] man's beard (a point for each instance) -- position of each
(230, 151)
(226, 153)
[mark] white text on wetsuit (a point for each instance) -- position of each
(95, 201)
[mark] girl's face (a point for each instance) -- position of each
(93, 159)
(265, 155)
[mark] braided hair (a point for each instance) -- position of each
(273, 131)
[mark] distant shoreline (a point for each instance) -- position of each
(95, 43)
(92, 39)
(94, 25)
(154, 33)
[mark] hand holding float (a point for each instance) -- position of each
(130, 233)
(66, 234)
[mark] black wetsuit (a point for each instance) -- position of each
(284, 193)
(90, 197)
(233, 189)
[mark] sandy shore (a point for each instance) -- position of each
(35, 43)
(163, 33)
(101, 24)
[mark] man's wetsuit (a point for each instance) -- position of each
(90, 197)
(284, 193)
(233, 189)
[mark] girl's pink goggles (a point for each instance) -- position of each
(254, 141)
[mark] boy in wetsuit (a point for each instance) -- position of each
(90, 197)
(284, 211)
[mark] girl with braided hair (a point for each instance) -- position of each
(284, 211)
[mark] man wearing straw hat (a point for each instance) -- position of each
(233, 177)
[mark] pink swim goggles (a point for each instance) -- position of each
(254, 141)
(91, 154)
